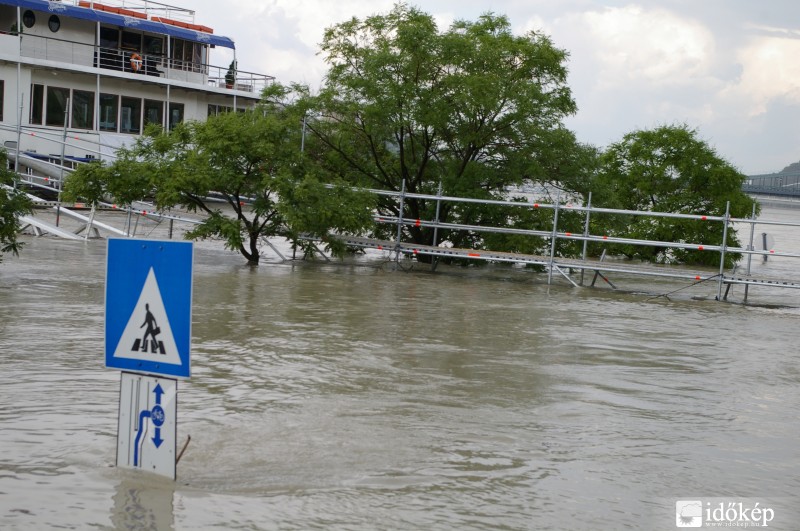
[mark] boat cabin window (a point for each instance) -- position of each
(214, 110)
(153, 112)
(153, 45)
(187, 55)
(2, 97)
(131, 41)
(56, 106)
(109, 38)
(82, 109)
(37, 104)
(117, 114)
(29, 18)
(130, 116)
(54, 23)
(177, 53)
(109, 105)
(175, 114)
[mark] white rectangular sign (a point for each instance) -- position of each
(147, 434)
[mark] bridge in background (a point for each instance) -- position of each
(785, 183)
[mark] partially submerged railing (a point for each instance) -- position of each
(760, 246)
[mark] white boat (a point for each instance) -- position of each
(79, 79)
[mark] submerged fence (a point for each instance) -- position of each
(758, 244)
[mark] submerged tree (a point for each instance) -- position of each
(251, 161)
(474, 109)
(669, 169)
(13, 203)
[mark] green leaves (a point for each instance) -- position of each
(669, 169)
(13, 203)
(474, 108)
(251, 160)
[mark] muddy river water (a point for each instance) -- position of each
(348, 395)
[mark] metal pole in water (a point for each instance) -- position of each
(750, 247)
(553, 239)
(129, 223)
(89, 225)
(400, 220)
(19, 133)
(586, 234)
(61, 173)
(438, 206)
(21, 94)
(435, 261)
(725, 221)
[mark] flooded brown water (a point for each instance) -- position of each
(347, 395)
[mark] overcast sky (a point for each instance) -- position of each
(728, 68)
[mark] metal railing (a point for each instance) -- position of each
(555, 233)
(139, 63)
(142, 6)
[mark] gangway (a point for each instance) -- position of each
(91, 224)
(40, 227)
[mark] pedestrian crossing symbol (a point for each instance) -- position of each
(148, 306)
(148, 335)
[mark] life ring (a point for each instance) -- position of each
(136, 62)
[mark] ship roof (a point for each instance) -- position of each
(142, 24)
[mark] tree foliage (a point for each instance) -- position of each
(474, 108)
(13, 203)
(251, 161)
(669, 169)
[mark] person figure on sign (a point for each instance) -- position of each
(152, 330)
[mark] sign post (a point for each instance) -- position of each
(147, 431)
(148, 336)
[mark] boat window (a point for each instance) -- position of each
(82, 109)
(153, 45)
(56, 106)
(177, 53)
(2, 97)
(109, 103)
(214, 110)
(54, 23)
(131, 41)
(153, 112)
(197, 58)
(175, 114)
(130, 120)
(37, 104)
(29, 18)
(188, 49)
(109, 38)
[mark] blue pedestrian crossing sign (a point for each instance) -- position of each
(149, 306)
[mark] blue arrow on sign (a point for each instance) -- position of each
(157, 417)
(158, 391)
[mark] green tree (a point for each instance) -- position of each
(474, 108)
(252, 161)
(669, 169)
(13, 203)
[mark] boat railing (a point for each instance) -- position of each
(72, 53)
(138, 8)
